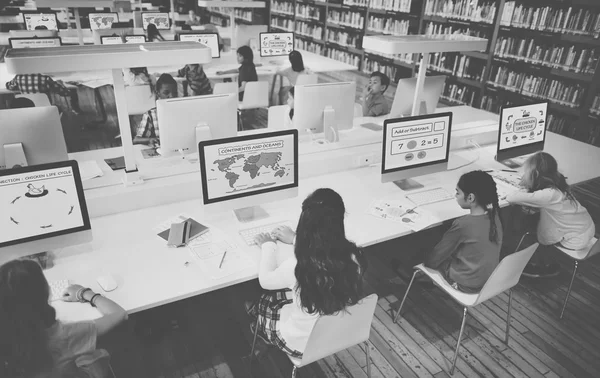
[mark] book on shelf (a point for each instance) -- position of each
(346, 18)
(308, 11)
(309, 46)
(309, 30)
(356, 3)
(343, 38)
(282, 7)
(402, 6)
(466, 10)
(386, 25)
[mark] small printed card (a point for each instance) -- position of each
(403, 211)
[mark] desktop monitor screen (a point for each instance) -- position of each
(522, 130)
(161, 20)
(249, 165)
(111, 40)
(405, 95)
(276, 44)
(210, 40)
(311, 100)
(135, 38)
(102, 20)
(42, 202)
(40, 21)
(25, 43)
(415, 146)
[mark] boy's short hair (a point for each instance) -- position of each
(385, 80)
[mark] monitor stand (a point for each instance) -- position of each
(42, 258)
(14, 155)
(408, 184)
(510, 163)
(250, 214)
(330, 126)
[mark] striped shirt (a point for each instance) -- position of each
(37, 83)
(196, 79)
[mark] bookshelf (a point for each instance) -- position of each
(224, 13)
(537, 49)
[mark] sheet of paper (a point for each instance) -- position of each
(402, 211)
(89, 169)
(221, 259)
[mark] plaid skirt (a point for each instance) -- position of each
(267, 310)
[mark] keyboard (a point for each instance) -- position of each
(57, 289)
(430, 196)
(510, 178)
(248, 234)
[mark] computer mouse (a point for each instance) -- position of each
(107, 283)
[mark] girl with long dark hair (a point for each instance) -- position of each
(247, 70)
(562, 219)
(470, 250)
(291, 73)
(323, 278)
(33, 342)
(153, 34)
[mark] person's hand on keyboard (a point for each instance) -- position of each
(70, 294)
(263, 238)
(284, 234)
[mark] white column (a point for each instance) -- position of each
(123, 117)
(420, 84)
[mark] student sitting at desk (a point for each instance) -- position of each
(147, 131)
(196, 79)
(247, 70)
(153, 34)
(292, 73)
(324, 277)
(37, 83)
(374, 103)
(194, 19)
(36, 344)
(470, 250)
(289, 119)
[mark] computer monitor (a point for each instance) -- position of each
(42, 208)
(276, 44)
(40, 21)
(314, 104)
(243, 172)
(30, 136)
(186, 121)
(522, 131)
(211, 40)
(26, 43)
(102, 20)
(415, 146)
(160, 19)
(405, 95)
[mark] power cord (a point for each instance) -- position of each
(477, 148)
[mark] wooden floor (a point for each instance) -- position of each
(208, 336)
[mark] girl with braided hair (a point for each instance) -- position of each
(470, 250)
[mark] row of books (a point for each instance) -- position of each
(309, 46)
(343, 38)
(458, 65)
(370, 65)
(345, 18)
(356, 3)
(570, 58)
(595, 109)
(344, 57)
(391, 5)
(308, 11)
(437, 28)
(285, 7)
(309, 30)
(240, 13)
(387, 25)
(467, 10)
(550, 18)
(282, 23)
(559, 91)
(460, 94)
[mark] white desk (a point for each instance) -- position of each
(150, 274)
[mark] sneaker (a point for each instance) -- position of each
(541, 271)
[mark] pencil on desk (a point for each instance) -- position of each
(222, 259)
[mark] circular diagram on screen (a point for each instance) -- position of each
(41, 207)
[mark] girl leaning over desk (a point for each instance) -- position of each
(36, 344)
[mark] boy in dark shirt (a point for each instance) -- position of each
(374, 103)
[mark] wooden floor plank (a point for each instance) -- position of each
(380, 363)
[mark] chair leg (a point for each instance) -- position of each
(462, 328)
(562, 312)
(254, 339)
(367, 349)
(510, 293)
(294, 372)
(405, 295)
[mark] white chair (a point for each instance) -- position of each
(590, 250)
(331, 333)
(307, 79)
(505, 277)
(256, 95)
(225, 88)
(140, 99)
(39, 99)
(276, 117)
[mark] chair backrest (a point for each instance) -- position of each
(39, 99)
(95, 365)
(140, 99)
(507, 273)
(335, 333)
(358, 111)
(256, 95)
(307, 79)
(276, 117)
(225, 88)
